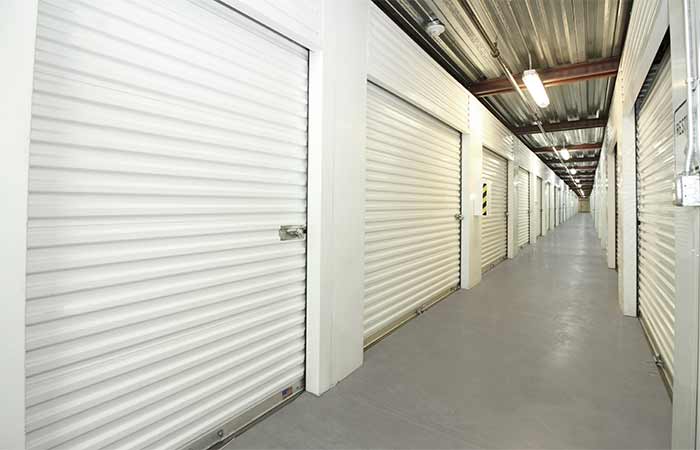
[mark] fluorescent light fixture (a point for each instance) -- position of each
(565, 155)
(535, 88)
(574, 171)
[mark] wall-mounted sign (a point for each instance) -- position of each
(485, 198)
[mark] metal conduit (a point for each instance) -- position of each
(495, 52)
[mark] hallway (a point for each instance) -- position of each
(536, 356)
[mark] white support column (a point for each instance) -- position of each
(18, 35)
(603, 204)
(534, 208)
(512, 211)
(546, 185)
(627, 275)
(610, 209)
(472, 155)
(335, 273)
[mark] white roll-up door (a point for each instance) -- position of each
(494, 227)
(412, 237)
(539, 208)
(523, 207)
(655, 214)
(168, 146)
(557, 205)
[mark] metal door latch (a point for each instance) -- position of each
(459, 216)
(292, 232)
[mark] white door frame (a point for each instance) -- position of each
(18, 30)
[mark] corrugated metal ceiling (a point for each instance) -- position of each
(549, 32)
(553, 32)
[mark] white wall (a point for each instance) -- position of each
(426, 85)
(17, 36)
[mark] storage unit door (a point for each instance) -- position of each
(168, 146)
(523, 207)
(556, 206)
(656, 233)
(539, 211)
(412, 237)
(494, 226)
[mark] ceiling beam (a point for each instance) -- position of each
(554, 76)
(576, 160)
(579, 172)
(571, 148)
(563, 126)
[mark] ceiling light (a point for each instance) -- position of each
(574, 171)
(535, 88)
(565, 155)
(434, 28)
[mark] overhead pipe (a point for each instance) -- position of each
(691, 84)
(496, 53)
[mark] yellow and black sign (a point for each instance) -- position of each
(484, 198)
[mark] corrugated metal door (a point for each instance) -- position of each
(656, 234)
(539, 208)
(412, 237)
(494, 227)
(523, 207)
(168, 146)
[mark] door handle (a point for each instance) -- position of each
(292, 232)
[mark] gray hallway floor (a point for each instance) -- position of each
(536, 356)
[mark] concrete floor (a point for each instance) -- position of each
(536, 356)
